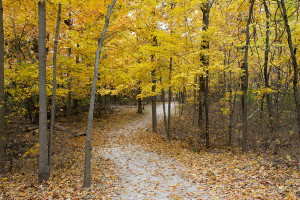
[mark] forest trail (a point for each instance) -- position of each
(144, 174)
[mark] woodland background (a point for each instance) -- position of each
(232, 66)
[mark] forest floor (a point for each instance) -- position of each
(148, 167)
(131, 162)
(144, 174)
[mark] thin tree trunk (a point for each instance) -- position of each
(163, 95)
(206, 106)
(244, 78)
(154, 117)
(231, 111)
(266, 74)
(200, 107)
(69, 108)
(153, 99)
(182, 101)
(205, 60)
(170, 101)
(52, 121)
(2, 96)
(169, 115)
(195, 101)
(254, 134)
(140, 109)
(179, 101)
(195, 115)
(87, 164)
(43, 172)
(200, 110)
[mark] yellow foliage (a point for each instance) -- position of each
(262, 91)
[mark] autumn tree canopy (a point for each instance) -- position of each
(231, 59)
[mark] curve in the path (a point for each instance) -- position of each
(147, 175)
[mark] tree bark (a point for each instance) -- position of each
(69, 107)
(266, 61)
(206, 107)
(244, 80)
(52, 121)
(231, 111)
(154, 117)
(140, 109)
(205, 60)
(266, 73)
(88, 148)
(163, 96)
(43, 172)
(170, 101)
(181, 101)
(2, 96)
(200, 105)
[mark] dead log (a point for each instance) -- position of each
(60, 128)
(65, 129)
(57, 127)
(27, 129)
(78, 135)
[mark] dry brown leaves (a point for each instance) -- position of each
(67, 165)
(231, 176)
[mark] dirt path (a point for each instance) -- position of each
(147, 175)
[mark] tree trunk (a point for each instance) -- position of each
(195, 116)
(206, 107)
(2, 97)
(140, 109)
(205, 60)
(75, 106)
(181, 101)
(231, 111)
(153, 99)
(170, 101)
(69, 108)
(200, 105)
(88, 148)
(43, 172)
(266, 74)
(154, 118)
(244, 80)
(195, 101)
(163, 96)
(52, 121)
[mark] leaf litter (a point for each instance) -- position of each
(130, 162)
